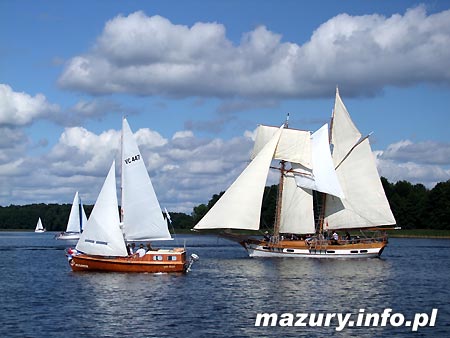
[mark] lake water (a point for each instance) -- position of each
(221, 296)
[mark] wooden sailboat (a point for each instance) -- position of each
(39, 226)
(77, 220)
(345, 177)
(102, 245)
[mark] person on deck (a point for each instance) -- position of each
(347, 236)
(335, 238)
(141, 251)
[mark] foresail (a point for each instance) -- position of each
(294, 145)
(102, 235)
(240, 206)
(322, 177)
(142, 214)
(73, 224)
(297, 216)
(365, 203)
(344, 134)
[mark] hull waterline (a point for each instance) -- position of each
(303, 249)
(68, 236)
(153, 262)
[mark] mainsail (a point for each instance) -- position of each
(365, 203)
(297, 214)
(240, 205)
(77, 218)
(142, 217)
(103, 235)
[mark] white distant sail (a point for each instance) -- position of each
(141, 212)
(365, 203)
(240, 205)
(103, 235)
(77, 218)
(39, 226)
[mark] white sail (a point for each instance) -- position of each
(83, 216)
(240, 206)
(141, 212)
(39, 226)
(77, 218)
(297, 214)
(344, 134)
(102, 235)
(294, 145)
(365, 203)
(322, 177)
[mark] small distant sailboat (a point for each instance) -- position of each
(102, 245)
(338, 164)
(77, 220)
(39, 226)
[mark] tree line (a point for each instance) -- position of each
(414, 207)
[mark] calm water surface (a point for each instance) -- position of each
(41, 297)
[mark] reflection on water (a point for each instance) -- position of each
(41, 297)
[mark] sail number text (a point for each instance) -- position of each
(132, 159)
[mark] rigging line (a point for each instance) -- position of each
(171, 225)
(351, 150)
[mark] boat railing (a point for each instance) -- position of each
(363, 240)
(318, 243)
(274, 240)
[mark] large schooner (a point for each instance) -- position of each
(334, 164)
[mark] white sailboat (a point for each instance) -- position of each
(77, 220)
(39, 226)
(346, 178)
(102, 245)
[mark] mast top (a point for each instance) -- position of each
(286, 123)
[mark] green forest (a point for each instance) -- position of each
(414, 207)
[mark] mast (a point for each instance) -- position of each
(276, 227)
(121, 173)
(324, 195)
(80, 214)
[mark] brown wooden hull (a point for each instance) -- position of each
(156, 261)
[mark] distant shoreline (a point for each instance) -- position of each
(419, 236)
(416, 233)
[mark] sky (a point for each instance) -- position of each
(195, 78)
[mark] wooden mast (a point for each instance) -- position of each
(276, 227)
(324, 195)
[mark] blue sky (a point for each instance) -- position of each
(196, 77)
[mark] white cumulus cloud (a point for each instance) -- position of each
(149, 55)
(422, 162)
(19, 108)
